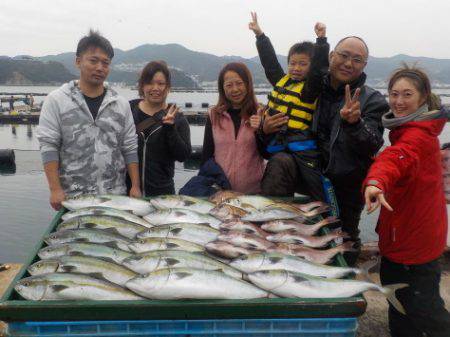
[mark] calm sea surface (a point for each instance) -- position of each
(24, 209)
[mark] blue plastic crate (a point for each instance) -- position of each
(293, 327)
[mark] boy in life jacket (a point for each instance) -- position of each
(295, 94)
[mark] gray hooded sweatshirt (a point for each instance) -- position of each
(92, 154)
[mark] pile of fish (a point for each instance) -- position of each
(178, 247)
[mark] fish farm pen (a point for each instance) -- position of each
(251, 317)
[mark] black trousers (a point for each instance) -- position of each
(287, 173)
(425, 311)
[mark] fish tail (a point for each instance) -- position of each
(389, 292)
(366, 267)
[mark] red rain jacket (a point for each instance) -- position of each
(410, 174)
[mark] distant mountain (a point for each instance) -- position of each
(190, 68)
(25, 71)
(379, 68)
(127, 73)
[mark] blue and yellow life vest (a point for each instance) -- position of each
(286, 98)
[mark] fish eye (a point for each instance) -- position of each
(26, 284)
(142, 241)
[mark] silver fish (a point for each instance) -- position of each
(137, 206)
(88, 235)
(156, 243)
(182, 202)
(270, 261)
(196, 233)
(277, 226)
(109, 250)
(290, 284)
(123, 227)
(70, 286)
(171, 216)
(311, 241)
(151, 261)
(244, 240)
(191, 283)
(99, 211)
(96, 267)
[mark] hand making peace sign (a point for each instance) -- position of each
(254, 25)
(351, 112)
(169, 118)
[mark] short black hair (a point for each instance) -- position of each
(305, 47)
(149, 72)
(94, 40)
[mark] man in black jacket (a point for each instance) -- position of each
(347, 124)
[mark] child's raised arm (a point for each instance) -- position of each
(319, 65)
(272, 68)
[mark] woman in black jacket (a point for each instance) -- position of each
(163, 132)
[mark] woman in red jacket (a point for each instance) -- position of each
(406, 178)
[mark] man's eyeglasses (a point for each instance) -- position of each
(345, 57)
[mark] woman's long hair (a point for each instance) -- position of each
(249, 105)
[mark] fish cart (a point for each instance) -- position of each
(255, 317)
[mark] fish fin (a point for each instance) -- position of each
(68, 269)
(111, 230)
(171, 262)
(103, 199)
(90, 225)
(249, 231)
(172, 245)
(389, 292)
(81, 240)
(76, 253)
(251, 246)
(275, 259)
(189, 203)
(298, 278)
(106, 259)
(182, 275)
(178, 213)
(97, 275)
(98, 212)
(58, 287)
(111, 244)
(204, 223)
(176, 230)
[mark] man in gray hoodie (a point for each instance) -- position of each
(86, 131)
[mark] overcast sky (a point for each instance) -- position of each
(220, 27)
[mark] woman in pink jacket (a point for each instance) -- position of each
(230, 136)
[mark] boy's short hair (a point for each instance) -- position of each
(94, 40)
(305, 47)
